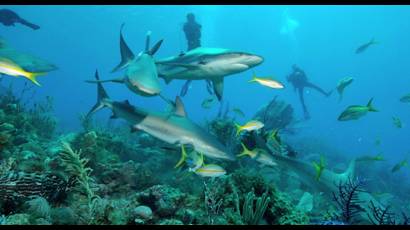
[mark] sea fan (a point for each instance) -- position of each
(347, 199)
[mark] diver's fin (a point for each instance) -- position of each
(370, 106)
(126, 53)
(218, 87)
(101, 96)
(179, 107)
(155, 48)
(183, 157)
(116, 80)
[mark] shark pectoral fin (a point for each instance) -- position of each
(179, 107)
(126, 54)
(218, 87)
(166, 79)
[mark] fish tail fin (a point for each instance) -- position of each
(370, 106)
(238, 129)
(253, 77)
(32, 77)
(244, 152)
(183, 157)
(101, 97)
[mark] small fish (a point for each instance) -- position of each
(259, 155)
(187, 86)
(319, 167)
(250, 126)
(405, 98)
(397, 122)
(207, 103)
(10, 68)
(364, 47)
(342, 85)
(266, 81)
(210, 170)
(193, 159)
(378, 157)
(238, 111)
(398, 166)
(355, 112)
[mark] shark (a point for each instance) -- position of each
(211, 64)
(171, 127)
(141, 75)
(26, 61)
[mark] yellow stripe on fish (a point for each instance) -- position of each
(267, 81)
(10, 68)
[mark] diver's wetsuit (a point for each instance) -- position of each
(192, 32)
(9, 18)
(299, 81)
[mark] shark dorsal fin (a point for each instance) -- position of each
(127, 102)
(126, 54)
(179, 107)
(155, 48)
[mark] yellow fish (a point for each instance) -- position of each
(8, 67)
(250, 126)
(266, 81)
(259, 155)
(211, 170)
(319, 167)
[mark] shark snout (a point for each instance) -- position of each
(252, 60)
(151, 89)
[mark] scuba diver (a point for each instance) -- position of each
(192, 31)
(9, 18)
(299, 81)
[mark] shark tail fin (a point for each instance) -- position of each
(32, 77)
(373, 41)
(101, 97)
(349, 173)
(126, 54)
(183, 157)
(370, 106)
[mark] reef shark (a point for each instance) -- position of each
(211, 64)
(141, 74)
(174, 128)
(24, 60)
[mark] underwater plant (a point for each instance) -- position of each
(277, 114)
(251, 215)
(77, 167)
(347, 199)
(212, 202)
(381, 215)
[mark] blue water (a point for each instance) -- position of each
(80, 39)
